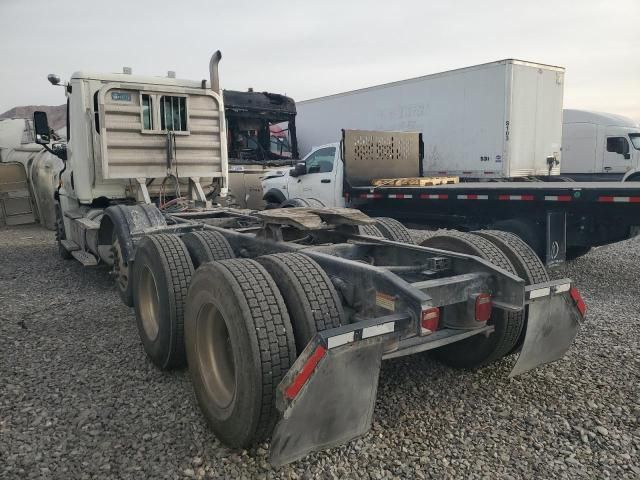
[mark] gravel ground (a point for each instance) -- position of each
(79, 399)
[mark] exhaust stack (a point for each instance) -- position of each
(213, 71)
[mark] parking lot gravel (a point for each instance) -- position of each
(79, 399)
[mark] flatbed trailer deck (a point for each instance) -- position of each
(554, 217)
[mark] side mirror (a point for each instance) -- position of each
(41, 127)
(627, 156)
(298, 170)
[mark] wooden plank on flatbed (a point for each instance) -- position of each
(415, 181)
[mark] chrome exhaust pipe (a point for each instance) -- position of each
(214, 77)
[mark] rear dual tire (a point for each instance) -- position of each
(526, 263)
(479, 350)
(161, 276)
(392, 229)
(238, 337)
(311, 299)
(239, 343)
(207, 246)
(388, 228)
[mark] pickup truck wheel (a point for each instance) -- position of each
(392, 229)
(311, 299)
(294, 203)
(239, 345)
(302, 202)
(60, 234)
(525, 261)
(207, 246)
(478, 351)
(161, 275)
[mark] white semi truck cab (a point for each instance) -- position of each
(600, 146)
(128, 133)
(150, 141)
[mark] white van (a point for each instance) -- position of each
(600, 146)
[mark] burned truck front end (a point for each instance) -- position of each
(261, 134)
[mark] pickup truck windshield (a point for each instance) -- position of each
(635, 140)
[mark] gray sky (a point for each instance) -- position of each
(308, 49)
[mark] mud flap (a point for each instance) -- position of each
(552, 324)
(328, 396)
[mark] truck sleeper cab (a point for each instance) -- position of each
(600, 146)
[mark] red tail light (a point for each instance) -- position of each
(430, 320)
(577, 298)
(483, 307)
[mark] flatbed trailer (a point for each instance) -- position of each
(557, 219)
(549, 216)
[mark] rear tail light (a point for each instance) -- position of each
(430, 320)
(483, 307)
(577, 299)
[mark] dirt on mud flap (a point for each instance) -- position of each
(555, 312)
(328, 396)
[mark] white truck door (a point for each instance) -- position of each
(616, 156)
(319, 181)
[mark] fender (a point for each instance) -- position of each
(126, 220)
(632, 176)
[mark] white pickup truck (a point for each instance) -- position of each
(318, 176)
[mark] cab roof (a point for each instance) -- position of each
(601, 118)
(138, 79)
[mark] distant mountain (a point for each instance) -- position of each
(57, 114)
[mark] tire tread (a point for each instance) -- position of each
(206, 246)
(313, 291)
(179, 270)
(270, 324)
(392, 229)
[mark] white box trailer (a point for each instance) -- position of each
(496, 120)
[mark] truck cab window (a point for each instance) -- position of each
(635, 140)
(173, 113)
(618, 145)
(147, 112)
(321, 161)
(280, 143)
